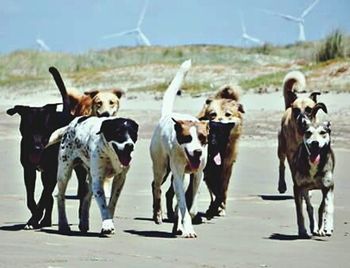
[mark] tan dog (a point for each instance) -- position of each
(297, 110)
(97, 103)
(224, 107)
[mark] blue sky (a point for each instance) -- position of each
(78, 26)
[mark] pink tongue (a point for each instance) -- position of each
(315, 160)
(217, 159)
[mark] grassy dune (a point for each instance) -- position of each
(151, 68)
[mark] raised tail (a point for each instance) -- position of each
(173, 88)
(292, 82)
(56, 136)
(62, 88)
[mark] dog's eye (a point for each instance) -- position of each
(203, 139)
(323, 133)
(111, 103)
(308, 133)
(308, 110)
(228, 114)
(99, 103)
(212, 114)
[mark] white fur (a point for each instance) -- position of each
(166, 153)
(101, 162)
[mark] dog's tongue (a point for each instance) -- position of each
(217, 159)
(315, 159)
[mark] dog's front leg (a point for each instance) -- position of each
(183, 223)
(326, 212)
(298, 198)
(196, 181)
(310, 210)
(29, 181)
(117, 187)
(97, 177)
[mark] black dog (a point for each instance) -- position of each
(36, 126)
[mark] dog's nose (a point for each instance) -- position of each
(314, 144)
(197, 153)
(104, 114)
(129, 147)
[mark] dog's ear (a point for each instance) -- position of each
(203, 113)
(20, 109)
(296, 112)
(317, 107)
(327, 126)
(118, 92)
(92, 93)
(314, 95)
(240, 108)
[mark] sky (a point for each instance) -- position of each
(79, 25)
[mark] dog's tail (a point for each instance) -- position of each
(293, 81)
(173, 88)
(56, 136)
(62, 88)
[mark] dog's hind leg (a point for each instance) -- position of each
(85, 209)
(29, 181)
(298, 198)
(169, 201)
(83, 188)
(282, 186)
(63, 175)
(310, 211)
(160, 173)
(196, 180)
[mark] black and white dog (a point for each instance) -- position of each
(314, 165)
(103, 146)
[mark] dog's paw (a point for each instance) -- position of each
(157, 217)
(303, 235)
(197, 219)
(63, 228)
(28, 227)
(31, 224)
(46, 223)
(84, 227)
(282, 187)
(107, 227)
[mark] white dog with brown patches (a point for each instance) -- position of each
(179, 145)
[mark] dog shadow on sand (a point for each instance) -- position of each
(13, 227)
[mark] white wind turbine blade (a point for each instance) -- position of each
(143, 38)
(301, 32)
(242, 24)
(142, 15)
(42, 44)
(252, 39)
(284, 16)
(307, 10)
(119, 34)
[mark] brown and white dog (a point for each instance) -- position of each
(94, 102)
(297, 109)
(179, 145)
(225, 114)
(313, 165)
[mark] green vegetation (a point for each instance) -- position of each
(332, 48)
(255, 67)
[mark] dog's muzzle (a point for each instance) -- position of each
(125, 154)
(194, 160)
(313, 151)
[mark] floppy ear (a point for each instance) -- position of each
(317, 107)
(118, 92)
(20, 109)
(203, 113)
(314, 95)
(92, 93)
(296, 112)
(327, 126)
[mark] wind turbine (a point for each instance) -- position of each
(140, 36)
(299, 20)
(247, 37)
(42, 45)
